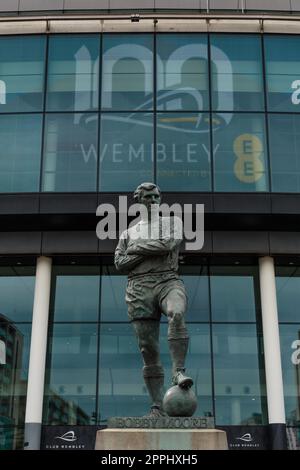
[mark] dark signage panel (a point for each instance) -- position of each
(69, 437)
(247, 437)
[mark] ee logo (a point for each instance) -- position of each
(248, 167)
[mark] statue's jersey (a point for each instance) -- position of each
(156, 247)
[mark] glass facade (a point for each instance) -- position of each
(15, 333)
(22, 70)
(126, 152)
(236, 73)
(73, 73)
(94, 367)
(70, 149)
(20, 152)
(193, 112)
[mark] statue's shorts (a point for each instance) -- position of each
(145, 293)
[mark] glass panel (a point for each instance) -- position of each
(22, 73)
(282, 55)
(183, 152)
(73, 73)
(20, 153)
(126, 151)
(71, 377)
(113, 289)
(290, 356)
(196, 283)
(288, 293)
(198, 366)
(239, 149)
(182, 72)
(284, 141)
(237, 79)
(121, 387)
(127, 68)
(70, 152)
(20, 281)
(13, 371)
(75, 296)
(238, 373)
(233, 294)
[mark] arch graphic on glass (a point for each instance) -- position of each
(172, 90)
(86, 78)
(128, 80)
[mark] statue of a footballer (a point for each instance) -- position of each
(148, 253)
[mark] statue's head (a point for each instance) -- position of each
(147, 194)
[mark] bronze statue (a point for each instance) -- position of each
(153, 288)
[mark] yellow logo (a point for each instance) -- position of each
(248, 167)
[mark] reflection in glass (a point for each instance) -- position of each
(239, 383)
(22, 73)
(290, 357)
(233, 294)
(122, 391)
(288, 293)
(237, 78)
(71, 377)
(20, 152)
(239, 149)
(195, 279)
(282, 54)
(75, 297)
(113, 288)
(284, 142)
(183, 152)
(20, 280)
(73, 73)
(198, 365)
(127, 72)
(13, 371)
(126, 151)
(70, 152)
(182, 72)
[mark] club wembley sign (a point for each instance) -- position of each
(246, 437)
(69, 437)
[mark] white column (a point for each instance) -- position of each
(37, 359)
(273, 368)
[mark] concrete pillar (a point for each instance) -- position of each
(37, 358)
(274, 382)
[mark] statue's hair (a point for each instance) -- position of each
(144, 187)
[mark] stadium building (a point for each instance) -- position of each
(203, 98)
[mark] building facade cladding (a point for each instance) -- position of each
(82, 119)
(64, 6)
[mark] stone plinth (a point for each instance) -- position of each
(161, 439)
